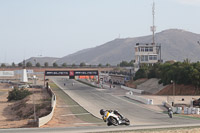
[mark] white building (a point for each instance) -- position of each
(146, 54)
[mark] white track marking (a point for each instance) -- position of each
(66, 106)
(76, 114)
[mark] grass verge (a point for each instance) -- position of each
(77, 109)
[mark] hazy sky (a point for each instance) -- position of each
(56, 28)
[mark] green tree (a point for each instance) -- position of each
(100, 65)
(131, 63)
(73, 65)
(29, 64)
(141, 73)
(64, 65)
(55, 64)
(195, 75)
(124, 64)
(3, 65)
(13, 64)
(186, 61)
(20, 65)
(46, 64)
(38, 64)
(107, 64)
(82, 64)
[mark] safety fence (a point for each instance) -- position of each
(43, 120)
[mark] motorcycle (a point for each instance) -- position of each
(170, 113)
(115, 119)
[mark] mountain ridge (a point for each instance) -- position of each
(176, 44)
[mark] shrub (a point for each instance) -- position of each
(18, 94)
(141, 73)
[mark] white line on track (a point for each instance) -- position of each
(66, 106)
(76, 114)
(88, 123)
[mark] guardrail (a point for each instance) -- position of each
(43, 120)
(174, 109)
(89, 83)
(132, 89)
(140, 99)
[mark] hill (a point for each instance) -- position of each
(176, 45)
(42, 60)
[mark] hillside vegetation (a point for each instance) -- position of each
(181, 73)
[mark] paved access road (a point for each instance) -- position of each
(93, 99)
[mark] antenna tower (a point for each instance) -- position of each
(153, 28)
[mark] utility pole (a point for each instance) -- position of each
(34, 80)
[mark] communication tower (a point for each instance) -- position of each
(153, 27)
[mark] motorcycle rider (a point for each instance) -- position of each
(104, 112)
(108, 115)
(170, 112)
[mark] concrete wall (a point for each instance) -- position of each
(43, 120)
(140, 99)
(131, 89)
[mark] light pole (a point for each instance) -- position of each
(34, 80)
(173, 91)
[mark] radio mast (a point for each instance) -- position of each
(153, 28)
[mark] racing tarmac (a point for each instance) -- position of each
(94, 99)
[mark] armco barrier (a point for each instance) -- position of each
(137, 98)
(43, 120)
(167, 105)
(90, 83)
(131, 89)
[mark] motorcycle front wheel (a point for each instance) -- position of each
(127, 122)
(113, 121)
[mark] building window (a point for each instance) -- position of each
(142, 49)
(146, 49)
(142, 58)
(155, 57)
(146, 58)
(152, 57)
(151, 49)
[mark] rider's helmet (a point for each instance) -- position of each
(102, 112)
